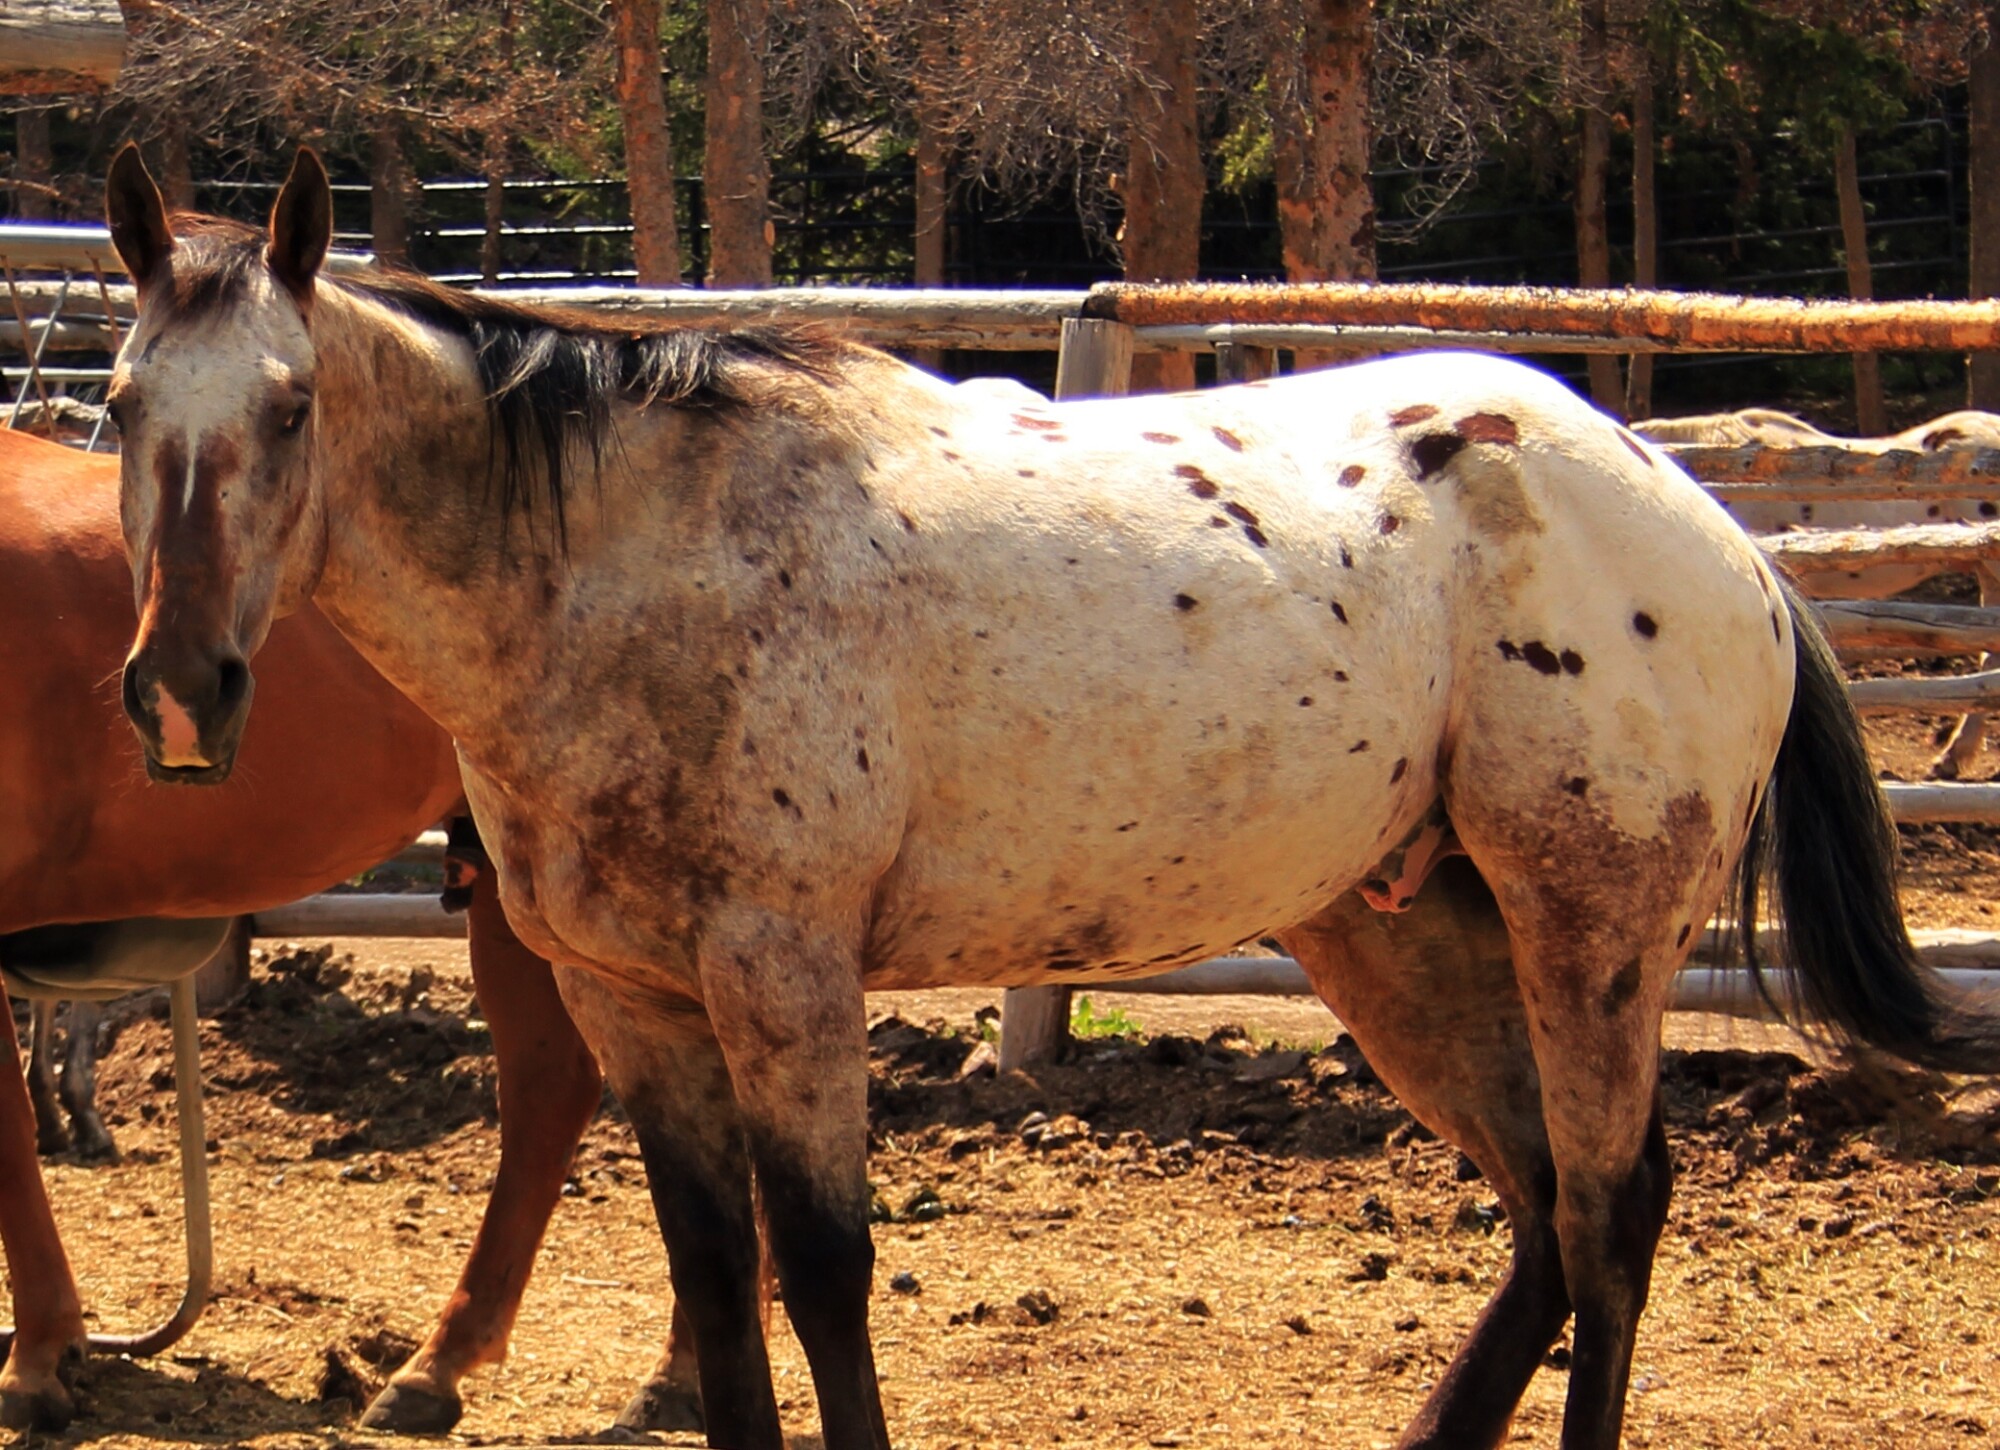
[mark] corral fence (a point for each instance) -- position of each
(62, 302)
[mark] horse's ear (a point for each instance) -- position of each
(301, 224)
(137, 215)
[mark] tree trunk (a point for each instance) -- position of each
(177, 166)
(388, 196)
(736, 174)
(1326, 206)
(1983, 182)
(495, 161)
(932, 192)
(1870, 418)
(649, 156)
(34, 167)
(1593, 231)
(1164, 185)
(1645, 232)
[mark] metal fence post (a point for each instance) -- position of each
(1095, 362)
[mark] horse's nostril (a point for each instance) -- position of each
(232, 683)
(130, 691)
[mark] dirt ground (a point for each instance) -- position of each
(1219, 1230)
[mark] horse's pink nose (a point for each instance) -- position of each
(187, 709)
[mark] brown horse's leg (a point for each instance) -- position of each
(51, 1132)
(78, 1088)
(785, 998)
(670, 1399)
(1430, 996)
(48, 1316)
(549, 1087)
(664, 1063)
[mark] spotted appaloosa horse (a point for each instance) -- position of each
(780, 670)
(1773, 429)
(339, 771)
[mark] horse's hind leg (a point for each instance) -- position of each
(668, 1071)
(78, 1088)
(1961, 751)
(51, 1132)
(1600, 919)
(1430, 996)
(549, 1088)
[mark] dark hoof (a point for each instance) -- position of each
(95, 1145)
(412, 1409)
(51, 1141)
(663, 1406)
(45, 1409)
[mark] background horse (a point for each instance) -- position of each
(1963, 429)
(830, 676)
(339, 773)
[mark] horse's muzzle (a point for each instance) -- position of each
(189, 713)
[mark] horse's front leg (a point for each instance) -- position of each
(549, 1088)
(785, 998)
(48, 1316)
(667, 1068)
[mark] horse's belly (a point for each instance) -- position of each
(1093, 878)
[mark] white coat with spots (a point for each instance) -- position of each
(806, 673)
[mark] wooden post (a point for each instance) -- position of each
(1237, 362)
(1095, 362)
(1870, 417)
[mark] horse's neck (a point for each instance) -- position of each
(417, 574)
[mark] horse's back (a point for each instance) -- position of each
(338, 769)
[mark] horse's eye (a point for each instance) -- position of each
(296, 419)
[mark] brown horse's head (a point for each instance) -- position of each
(213, 393)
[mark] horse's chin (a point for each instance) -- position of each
(189, 774)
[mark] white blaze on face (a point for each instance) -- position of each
(180, 739)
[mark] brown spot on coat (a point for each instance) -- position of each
(1185, 601)
(1338, 612)
(1415, 413)
(1390, 523)
(1199, 484)
(1228, 439)
(1943, 437)
(1238, 512)
(1489, 428)
(1357, 747)
(861, 759)
(1645, 624)
(1025, 421)
(1576, 785)
(1400, 768)
(1433, 451)
(1352, 475)
(1623, 987)
(1541, 657)
(1160, 437)
(1572, 662)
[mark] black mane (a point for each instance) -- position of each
(550, 375)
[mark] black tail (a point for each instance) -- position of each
(1824, 841)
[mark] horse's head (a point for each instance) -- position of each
(213, 394)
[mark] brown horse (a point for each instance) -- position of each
(339, 772)
(780, 671)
